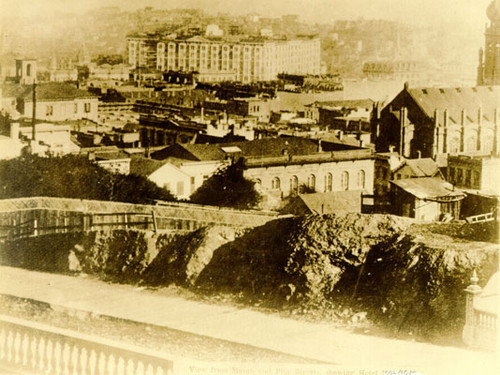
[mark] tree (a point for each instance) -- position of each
(306, 189)
(228, 188)
(73, 176)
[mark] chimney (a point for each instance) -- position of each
(320, 148)
(341, 134)
(419, 153)
(391, 148)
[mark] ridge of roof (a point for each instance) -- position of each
(55, 91)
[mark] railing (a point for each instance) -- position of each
(480, 328)
(37, 348)
(490, 216)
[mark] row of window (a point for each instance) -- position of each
(464, 176)
(49, 109)
(328, 182)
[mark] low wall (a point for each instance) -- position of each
(37, 348)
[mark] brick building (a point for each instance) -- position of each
(435, 122)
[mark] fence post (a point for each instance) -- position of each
(35, 227)
(155, 225)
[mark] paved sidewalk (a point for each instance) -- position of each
(316, 341)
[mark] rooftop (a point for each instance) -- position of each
(424, 167)
(429, 188)
(142, 166)
(45, 91)
(456, 99)
(338, 202)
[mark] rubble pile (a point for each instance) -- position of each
(416, 284)
(180, 260)
(297, 258)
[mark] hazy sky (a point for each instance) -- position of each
(470, 13)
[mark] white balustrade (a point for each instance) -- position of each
(38, 348)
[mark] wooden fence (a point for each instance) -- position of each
(26, 217)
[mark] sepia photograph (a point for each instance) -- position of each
(275, 187)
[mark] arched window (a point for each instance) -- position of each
(361, 179)
(345, 180)
(328, 182)
(275, 184)
(294, 185)
(311, 182)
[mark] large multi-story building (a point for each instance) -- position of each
(249, 60)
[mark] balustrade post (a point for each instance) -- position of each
(472, 291)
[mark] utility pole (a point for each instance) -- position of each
(33, 117)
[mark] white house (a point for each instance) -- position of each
(180, 177)
(55, 101)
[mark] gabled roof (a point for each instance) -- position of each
(142, 166)
(338, 202)
(424, 167)
(54, 91)
(431, 188)
(267, 147)
(271, 147)
(455, 99)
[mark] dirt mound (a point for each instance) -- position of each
(119, 256)
(419, 282)
(404, 274)
(181, 259)
(487, 231)
(297, 258)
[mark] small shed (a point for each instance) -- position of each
(426, 198)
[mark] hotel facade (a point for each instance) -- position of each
(243, 60)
